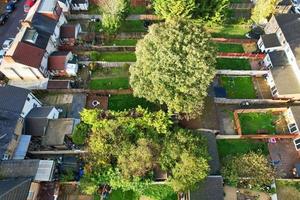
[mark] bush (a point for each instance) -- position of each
(80, 133)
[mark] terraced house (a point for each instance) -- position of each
(27, 58)
(282, 45)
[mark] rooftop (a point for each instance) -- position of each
(56, 131)
(35, 58)
(282, 72)
(67, 31)
(39, 170)
(47, 6)
(57, 60)
(14, 188)
(270, 40)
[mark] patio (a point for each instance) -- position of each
(96, 101)
(284, 152)
(262, 88)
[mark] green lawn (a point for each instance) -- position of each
(152, 192)
(94, 9)
(110, 72)
(125, 42)
(233, 64)
(231, 147)
(120, 195)
(128, 101)
(113, 56)
(132, 26)
(229, 31)
(236, 48)
(252, 123)
(135, 10)
(238, 87)
(109, 83)
(288, 189)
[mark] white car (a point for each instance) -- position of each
(7, 43)
(2, 54)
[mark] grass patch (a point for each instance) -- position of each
(236, 48)
(110, 72)
(253, 123)
(233, 64)
(113, 56)
(125, 42)
(135, 10)
(288, 189)
(121, 195)
(160, 192)
(232, 147)
(109, 83)
(238, 87)
(229, 31)
(152, 192)
(128, 101)
(133, 26)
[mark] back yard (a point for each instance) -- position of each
(152, 192)
(238, 87)
(113, 56)
(233, 64)
(224, 47)
(231, 147)
(128, 101)
(258, 123)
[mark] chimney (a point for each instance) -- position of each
(26, 24)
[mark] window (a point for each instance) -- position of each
(28, 99)
(30, 195)
(34, 105)
(293, 128)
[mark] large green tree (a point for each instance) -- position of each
(251, 170)
(170, 9)
(207, 10)
(262, 10)
(175, 65)
(113, 13)
(125, 148)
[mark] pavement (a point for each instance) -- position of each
(10, 28)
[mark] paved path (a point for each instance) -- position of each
(106, 64)
(234, 40)
(130, 17)
(10, 28)
(241, 6)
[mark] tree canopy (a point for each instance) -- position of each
(113, 14)
(125, 147)
(251, 170)
(175, 65)
(208, 10)
(262, 10)
(170, 9)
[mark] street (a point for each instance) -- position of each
(10, 28)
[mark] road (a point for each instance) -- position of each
(10, 28)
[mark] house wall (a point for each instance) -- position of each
(82, 6)
(33, 191)
(13, 143)
(271, 26)
(65, 7)
(30, 103)
(53, 114)
(17, 71)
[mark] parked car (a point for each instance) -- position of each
(2, 54)
(10, 7)
(3, 18)
(7, 43)
(28, 4)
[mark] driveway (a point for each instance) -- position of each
(10, 28)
